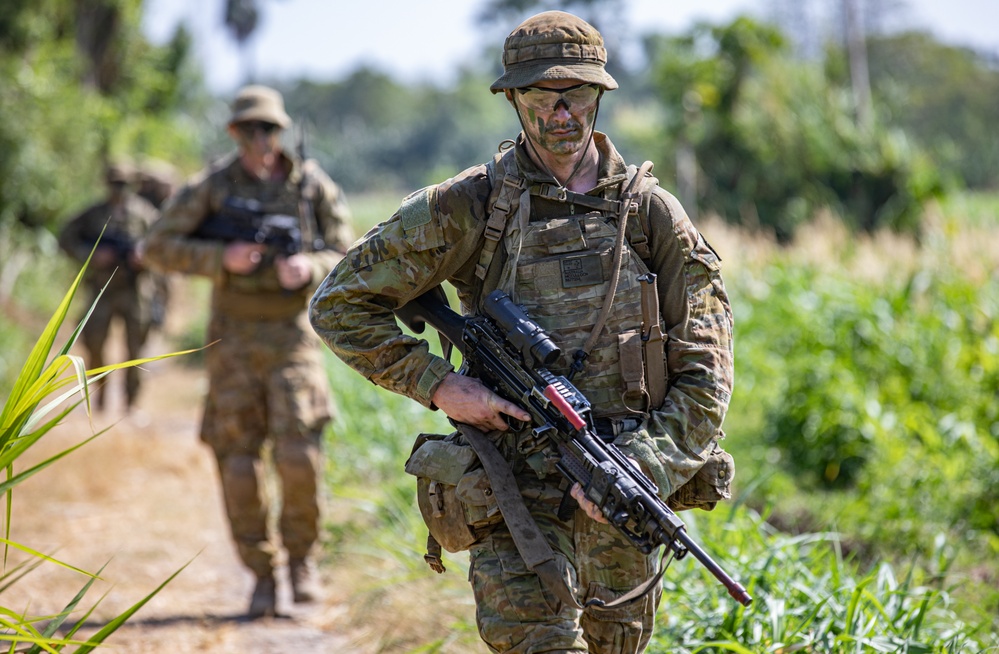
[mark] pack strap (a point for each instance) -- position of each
(507, 199)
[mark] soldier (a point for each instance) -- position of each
(115, 262)
(540, 222)
(267, 383)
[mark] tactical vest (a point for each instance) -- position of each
(560, 269)
(259, 294)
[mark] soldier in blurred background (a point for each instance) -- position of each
(125, 217)
(266, 228)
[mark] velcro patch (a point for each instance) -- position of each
(415, 210)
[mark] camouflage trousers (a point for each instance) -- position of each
(267, 391)
(516, 614)
(125, 304)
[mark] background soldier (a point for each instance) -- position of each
(540, 222)
(267, 383)
(127, 218)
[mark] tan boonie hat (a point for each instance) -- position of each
(261, 103)
(553, 45)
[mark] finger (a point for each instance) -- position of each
(511, 409)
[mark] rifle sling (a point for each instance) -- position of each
(530, 542)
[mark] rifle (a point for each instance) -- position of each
(508, 352)
(121, 243)
(245, 220)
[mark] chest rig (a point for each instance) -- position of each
(584, 280)
(285, 198)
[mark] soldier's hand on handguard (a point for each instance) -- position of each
(586, 505)
(293, 272)
(465, 399)
(242, 258)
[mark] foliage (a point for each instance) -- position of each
(806, 596)
(40, 390)
(372, 133)
(944, 98)
(880, 387)
(69, 100)
(775, 141)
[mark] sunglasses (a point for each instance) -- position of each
(581, 95)
(250, 127)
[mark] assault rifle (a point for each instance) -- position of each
(121, 243)
(245, 220)
(508, 352)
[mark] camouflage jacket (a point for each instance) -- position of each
(173, 246)
(418, 249)
(123, 227)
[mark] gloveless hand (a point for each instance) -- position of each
(293, 272)
(465, 399)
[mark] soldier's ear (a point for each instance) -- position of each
(509, 97)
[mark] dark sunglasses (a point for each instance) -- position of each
(251, 127)
(581, 95)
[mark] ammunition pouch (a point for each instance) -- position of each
(709, 485)
(452, 490)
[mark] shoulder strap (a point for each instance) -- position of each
(503, 201)
(640, 231)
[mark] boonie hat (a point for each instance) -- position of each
(256, 102)
(553, 45)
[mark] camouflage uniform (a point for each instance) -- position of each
(438, 235)
(127, 217)
(267, 382)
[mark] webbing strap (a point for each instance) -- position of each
(530, 542)
(507, 199)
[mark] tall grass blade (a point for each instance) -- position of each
(113, 626)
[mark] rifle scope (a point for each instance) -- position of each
(523, 333)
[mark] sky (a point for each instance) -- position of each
(419, 40)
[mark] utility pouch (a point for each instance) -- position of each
(452, 490)
(711, 484)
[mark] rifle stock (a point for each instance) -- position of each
(507, 351)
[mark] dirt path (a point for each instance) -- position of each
(143, 498)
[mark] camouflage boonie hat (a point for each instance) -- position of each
(553, 45)
(261, 103)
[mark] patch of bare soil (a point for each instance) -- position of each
(143, 498)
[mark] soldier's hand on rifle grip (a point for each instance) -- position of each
(293, 272)
(588, 507)
(465, 399)
(242, 258)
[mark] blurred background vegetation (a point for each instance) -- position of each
(850, 185)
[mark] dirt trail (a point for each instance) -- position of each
(143, 498)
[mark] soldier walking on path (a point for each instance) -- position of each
(125, 217)
(265, 228)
